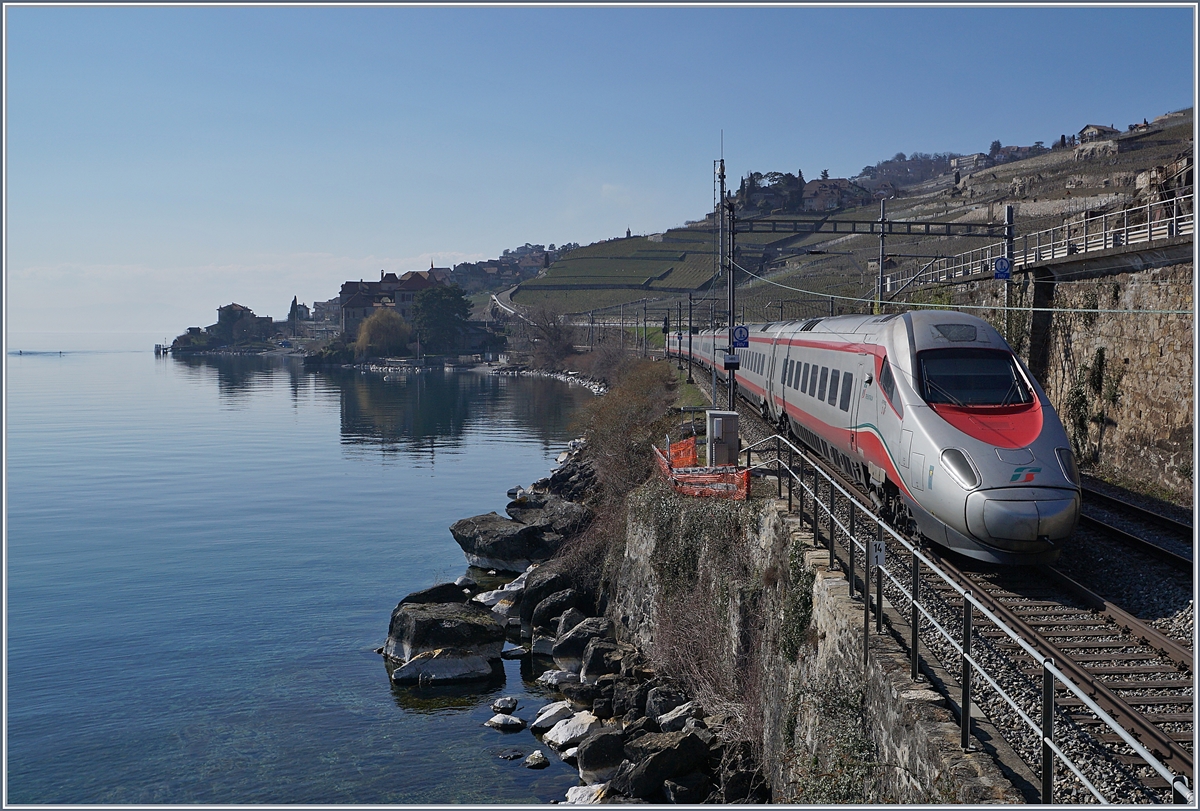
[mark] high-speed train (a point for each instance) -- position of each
(929, 411)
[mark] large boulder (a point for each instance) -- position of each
(661, 700)
(581, 696)
(441, 593)
(574, 480)
(599, 755)
(550, 715)
(674, 720)
(600, 657)
(443, 666)
(553, 607)
(419, 627)
(541, 583)
(550, 514)
(659, 756)
(570, 618)
(492, 541)
(570, 731)
(629, 694)
(568, 648)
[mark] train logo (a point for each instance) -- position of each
(1025, 474)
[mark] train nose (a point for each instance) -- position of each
(1022, 514)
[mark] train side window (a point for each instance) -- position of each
(783, 378)
(887, 383)
(824, 382)
(791, 371)
(804, 379)
(847, 386)
(799, 373)
(833, 386)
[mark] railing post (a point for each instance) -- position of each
(850, 546)
(965, 704)
(1179, 788)
(1047, 733)
(816, 513)
(879, 594)
(791, 478)
(915, 618)
(778, 469)
(867, 604)
(831, 526)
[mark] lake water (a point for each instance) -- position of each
(202, 555)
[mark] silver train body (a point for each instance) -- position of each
(930, 412)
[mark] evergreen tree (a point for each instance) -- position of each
(440, 315)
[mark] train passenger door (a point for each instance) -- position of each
(865, 367)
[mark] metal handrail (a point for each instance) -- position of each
(1128, 227)
(1181, 791)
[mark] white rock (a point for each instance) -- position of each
(536, 760)
(543, 644)
(490, 598)
(551, 714)
(585, 795)
(442, 665)
(505, 723)
(553, 678)
(570, 731)
(562, 457)
(506, 704)
(465, 582)
(571, 755)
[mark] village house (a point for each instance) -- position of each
(237, 323)
(358, 300)
(1097, 132)
(970, 163)
(834, 193)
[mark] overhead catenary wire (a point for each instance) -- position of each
(859, 300)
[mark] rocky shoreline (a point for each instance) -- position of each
(633, 734)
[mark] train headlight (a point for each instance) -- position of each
(960, 468)
(1066, 461)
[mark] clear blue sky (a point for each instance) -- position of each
(164, 161)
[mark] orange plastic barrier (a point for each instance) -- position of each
(683, 454)
(716, 482)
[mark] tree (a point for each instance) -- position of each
(824, 174)
(440, 315)
(382, 334)
(994, 150)
(548, 338)
(293, 315)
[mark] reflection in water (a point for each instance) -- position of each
(414, 414)
(448, 696)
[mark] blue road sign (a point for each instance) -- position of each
(1003, 268)
(741, 337)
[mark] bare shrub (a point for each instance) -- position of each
(622, 426)
(547, 338)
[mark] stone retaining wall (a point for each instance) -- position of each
(1122, 383)
(787, 627)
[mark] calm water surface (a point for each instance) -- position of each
(202, 555)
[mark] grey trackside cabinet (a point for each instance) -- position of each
(722, 440)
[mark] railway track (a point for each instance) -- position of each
(1135, 673)
(1135, 526)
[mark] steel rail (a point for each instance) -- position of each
(1156, 741)
(1113, 503)
(1176, 560)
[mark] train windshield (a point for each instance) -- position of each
(971, 377)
